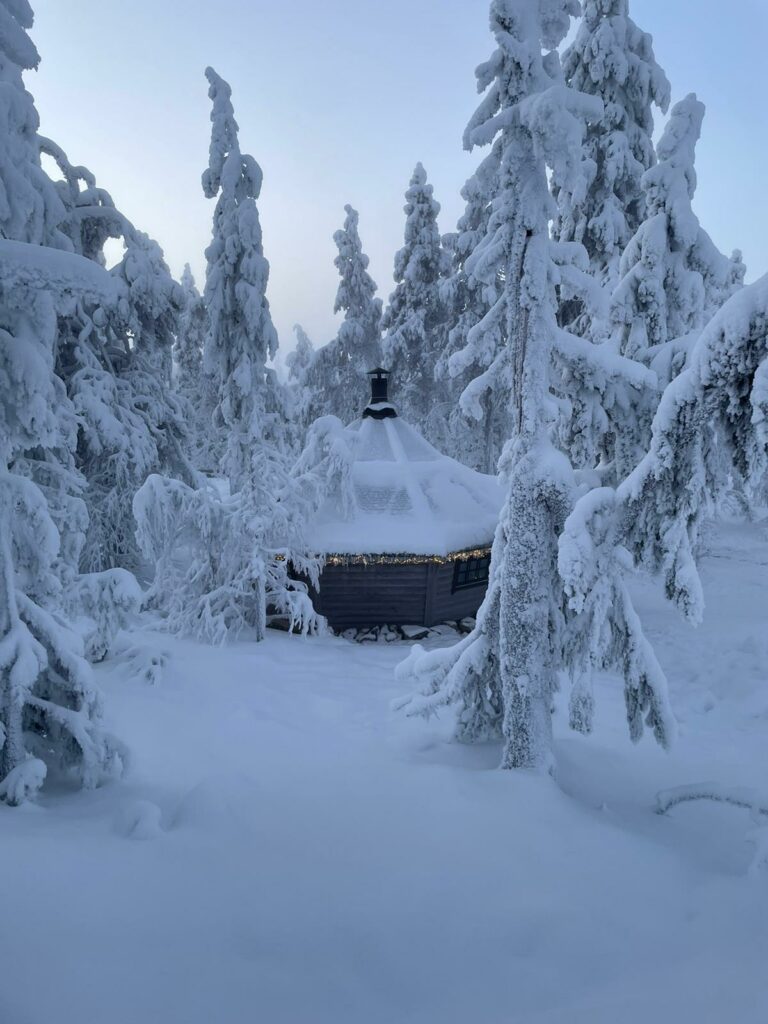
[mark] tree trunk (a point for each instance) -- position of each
(12, 751)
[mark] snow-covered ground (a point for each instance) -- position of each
(287, 850)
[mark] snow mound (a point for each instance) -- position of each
(220, 804)
(138, 819)
(405, 497)
(23, 782)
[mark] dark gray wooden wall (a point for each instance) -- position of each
(452, 606)
(354, 596)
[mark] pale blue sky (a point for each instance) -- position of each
(337, 100)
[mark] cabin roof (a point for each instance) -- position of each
(403, 496)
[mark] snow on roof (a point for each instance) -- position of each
(406, 498)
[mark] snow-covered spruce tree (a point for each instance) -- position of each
(504, 673)
(718, 406)
(612, 59)
(145, 421)
(336, 382)
(190, 381)
(478, 418)
(300, 359)
(241, 336)
(673, 278)
(193, 327)
(301, 394)
(589, 389)
(49, 709)
(239, 548)
(358, 343)
(115, 357)
(415, 319)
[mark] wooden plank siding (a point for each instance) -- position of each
(355, 596)
(458, 605)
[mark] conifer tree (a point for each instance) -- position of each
(49, 709)
(478, 412)
(415, 319)
(714, 412)
(612, 59)
(504, 673)
(188, 350)
(241, 336)
(673, 277)
(336, 381)
(191, 383)
(115, 358)
(358, 347)
(300, 359)
(301, 381)
(238, 549)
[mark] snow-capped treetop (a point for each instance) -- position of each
(421, 262)
(612, 59)
(671, 184)
(476, 425)
(533, 122)
(241, 336)
(414, 320)
(190, 340)
(336, 381)
(356, 295)
(228, 169)
(300, 359)
(673, 276)
(357, 346)
(15, 44)
(30, 209)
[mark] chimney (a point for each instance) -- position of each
(379, 408)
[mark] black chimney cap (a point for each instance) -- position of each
(379, 407)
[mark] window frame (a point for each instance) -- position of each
(469, 573)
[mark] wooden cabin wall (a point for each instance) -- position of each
(355, 596)
(352, 596)
(446, 605)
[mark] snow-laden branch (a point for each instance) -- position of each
(748, 799)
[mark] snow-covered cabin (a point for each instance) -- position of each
(409, 540)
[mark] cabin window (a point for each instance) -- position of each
(471, 572)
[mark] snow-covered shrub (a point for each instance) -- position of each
(605, 631)
(103, 603)
(219, 569)
(23, 782)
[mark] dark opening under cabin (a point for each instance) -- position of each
(408, 542)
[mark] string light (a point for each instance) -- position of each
(407, 559)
